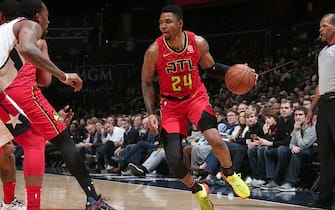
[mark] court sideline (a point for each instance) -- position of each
(63, 192)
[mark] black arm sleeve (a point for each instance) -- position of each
(218, 69)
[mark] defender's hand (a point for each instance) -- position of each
(73, 80)
(66, 114)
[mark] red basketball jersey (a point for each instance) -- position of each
(178, 71)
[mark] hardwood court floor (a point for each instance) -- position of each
(63, 192)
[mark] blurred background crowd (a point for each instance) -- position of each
(105, 44)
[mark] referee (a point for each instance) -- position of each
(325, 126)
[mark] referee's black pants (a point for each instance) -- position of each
(325, 128)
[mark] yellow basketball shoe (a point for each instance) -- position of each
(239, 186)
(202, 197)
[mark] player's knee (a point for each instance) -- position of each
(174, 153)
(217, 143)
(207, 121)
(7, 149)
(187, 150)
(7, 162)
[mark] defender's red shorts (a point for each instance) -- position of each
(25, 97)
(42, 116)
(176, 113)
(33, 138)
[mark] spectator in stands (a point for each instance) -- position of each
(84, 145)
(137, 122)
(242, 107)
(119, 119)
(111, 119)
(276, 108)
(82, 128)
(112, 139)
(131, 134)
(302, 139)
(135, 153)
(131, 137)
(273, 100)
(237, 144)
(307, 103)
(150, 164)
(74, 132)
(255, 149)
(277, 154)
(295, 104)
(92, 143)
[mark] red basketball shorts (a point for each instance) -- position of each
(175, 114)
(42, 116)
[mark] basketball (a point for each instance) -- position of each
(240, 79)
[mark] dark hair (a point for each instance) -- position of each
(268, 112)
(9, 9)
(128, 120)
(287, 102)
(29, 8)
(75, 124)
(301, 108)
(177, 11)
(232, 110)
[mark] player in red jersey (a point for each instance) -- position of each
(7, 158)
(29, 116)
(175, 57)
(8, 11)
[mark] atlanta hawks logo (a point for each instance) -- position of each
(190, 49)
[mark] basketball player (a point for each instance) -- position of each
(7, 158)
(23, 104)
(175, 57)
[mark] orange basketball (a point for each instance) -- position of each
(240, 79)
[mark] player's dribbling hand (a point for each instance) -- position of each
(153, 124)
(256, 75)
(73, 80)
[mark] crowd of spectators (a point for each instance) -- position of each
(262, 141)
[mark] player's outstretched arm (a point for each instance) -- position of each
(28, 33)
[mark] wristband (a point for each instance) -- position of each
(66, 77)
